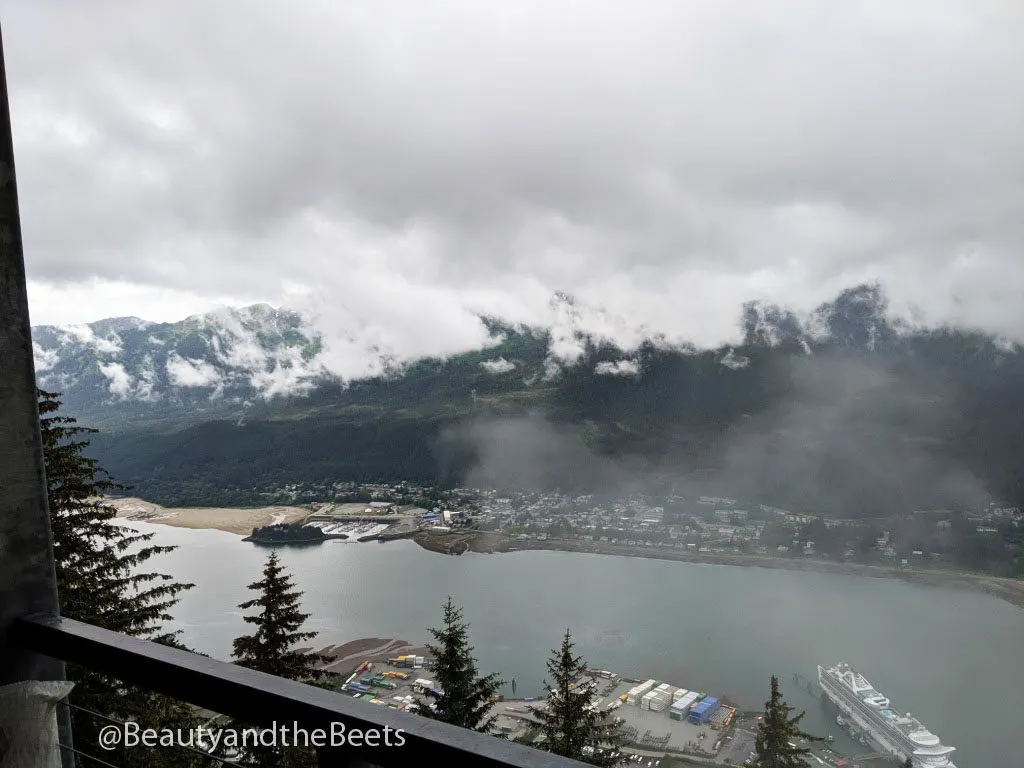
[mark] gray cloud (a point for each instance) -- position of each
(531, 452)
(849, 435)
(663, 162)
(853, 433)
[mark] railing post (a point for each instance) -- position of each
(28, 583)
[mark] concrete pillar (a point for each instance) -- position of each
(28, 583)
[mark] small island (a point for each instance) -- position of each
(286, 533)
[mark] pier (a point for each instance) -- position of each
(870, 756)
(806, 683)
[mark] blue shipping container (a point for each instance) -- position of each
(703, 710)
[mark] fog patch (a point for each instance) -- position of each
(848, 435)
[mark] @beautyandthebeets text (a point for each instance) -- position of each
(131, 734)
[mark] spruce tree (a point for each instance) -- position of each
(571, 727)
(776, 731)
(101, 580)
(465, 698)
(273, 648)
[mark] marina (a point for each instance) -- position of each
(350, 530)
(327, 524)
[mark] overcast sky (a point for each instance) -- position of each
(396, 167)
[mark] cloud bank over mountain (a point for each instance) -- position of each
(259, 352)
(395, 172)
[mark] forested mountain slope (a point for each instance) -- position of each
(844, 411)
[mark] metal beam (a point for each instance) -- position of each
(28, 582)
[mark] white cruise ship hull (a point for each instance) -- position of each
(896, 745)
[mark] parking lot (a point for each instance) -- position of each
(738, 746)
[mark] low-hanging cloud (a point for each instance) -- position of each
(499, 365)
(120, 381)
(847, 434)
(852, 434)
(617, 368)
(183, 372)
(531, 452)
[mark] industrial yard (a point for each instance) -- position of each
(664, 720)
(655, 718)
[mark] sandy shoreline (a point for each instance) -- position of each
(231, 520)
(348, 656)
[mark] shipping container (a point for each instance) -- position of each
(655, 700)
(684, 703)
(643, 688)
(701, 712)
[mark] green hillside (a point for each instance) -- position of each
(865, 418)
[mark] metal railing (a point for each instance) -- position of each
(265, 701)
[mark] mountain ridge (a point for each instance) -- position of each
(936, 403)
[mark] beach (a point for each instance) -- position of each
(231, 520)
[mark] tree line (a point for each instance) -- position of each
(103, 578)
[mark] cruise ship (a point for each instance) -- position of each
(900, 735)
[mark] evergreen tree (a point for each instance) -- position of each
(776, 731)
(908, 763)
(273, 648)
(465, 699)
(101, 580)
(571, 728)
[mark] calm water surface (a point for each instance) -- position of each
(954, 659)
